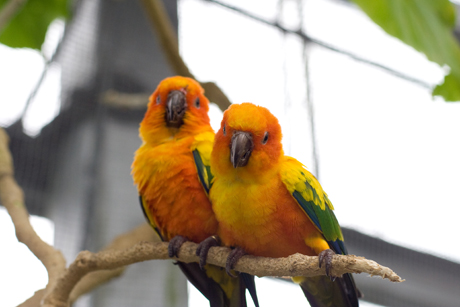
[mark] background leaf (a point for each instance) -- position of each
(427, 26)
(28, 28)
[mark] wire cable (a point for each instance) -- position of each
(306, 38)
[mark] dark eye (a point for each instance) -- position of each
(224, 130)
(158, 99)
(197, 103)
(265, 139)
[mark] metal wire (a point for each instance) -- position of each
(309, 98)
(306, 38)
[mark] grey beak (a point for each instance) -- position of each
(175, 109)
(241, 148)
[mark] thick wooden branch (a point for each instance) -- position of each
(34, 300)
(295, 265)
(12, 198)
(94, 279)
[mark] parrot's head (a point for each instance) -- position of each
(177, 108)
(248, 144)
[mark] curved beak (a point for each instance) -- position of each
(241, 148)
(175, 109)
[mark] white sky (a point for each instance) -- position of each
(22, 273)
(388, 152)
(19, 73)
(270, 292)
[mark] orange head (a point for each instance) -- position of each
(177, 108)
(248, 144)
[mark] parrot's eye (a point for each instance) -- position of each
(197, 103)
(224, 130)
(158, 99)
(265, 139)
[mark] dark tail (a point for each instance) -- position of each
(250, 284)
(216, 285)
(322, 292)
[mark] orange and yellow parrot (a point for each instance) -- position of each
(267, 204)
(171, 170)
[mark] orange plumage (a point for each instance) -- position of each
(164, 168)
(268, 204)
(171, 171)
(253, 199)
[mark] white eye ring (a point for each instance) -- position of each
(265, 139)
(158, 99)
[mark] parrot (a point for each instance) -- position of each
(268, 204)
(172, 173)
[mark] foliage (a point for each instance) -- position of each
(427, 26)
(28, 28)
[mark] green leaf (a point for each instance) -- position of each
(427, 26)
(28, 28)
(450, 89)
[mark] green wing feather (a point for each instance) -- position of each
(201, 149)
(309, 194)
(204, 171)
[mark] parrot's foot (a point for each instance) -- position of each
(203, 249)
(326, 257)
(175, 245)
(233, 258)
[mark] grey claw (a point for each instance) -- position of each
(233, 258)
(175, 245)
(203, 249)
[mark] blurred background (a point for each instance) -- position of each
(363, 110)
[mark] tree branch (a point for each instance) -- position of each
(94, 279)
(166, 34)
(138, 101)
(216, 95)
(8, 11)
(294, 265)
(91, 281)
(113, 98)
(34, 300)
(12, 198)
(164, 29)
(66, 285)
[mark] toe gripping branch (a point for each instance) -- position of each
(203, 248)
(325, 258)
(175, 245)
(233, 258)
